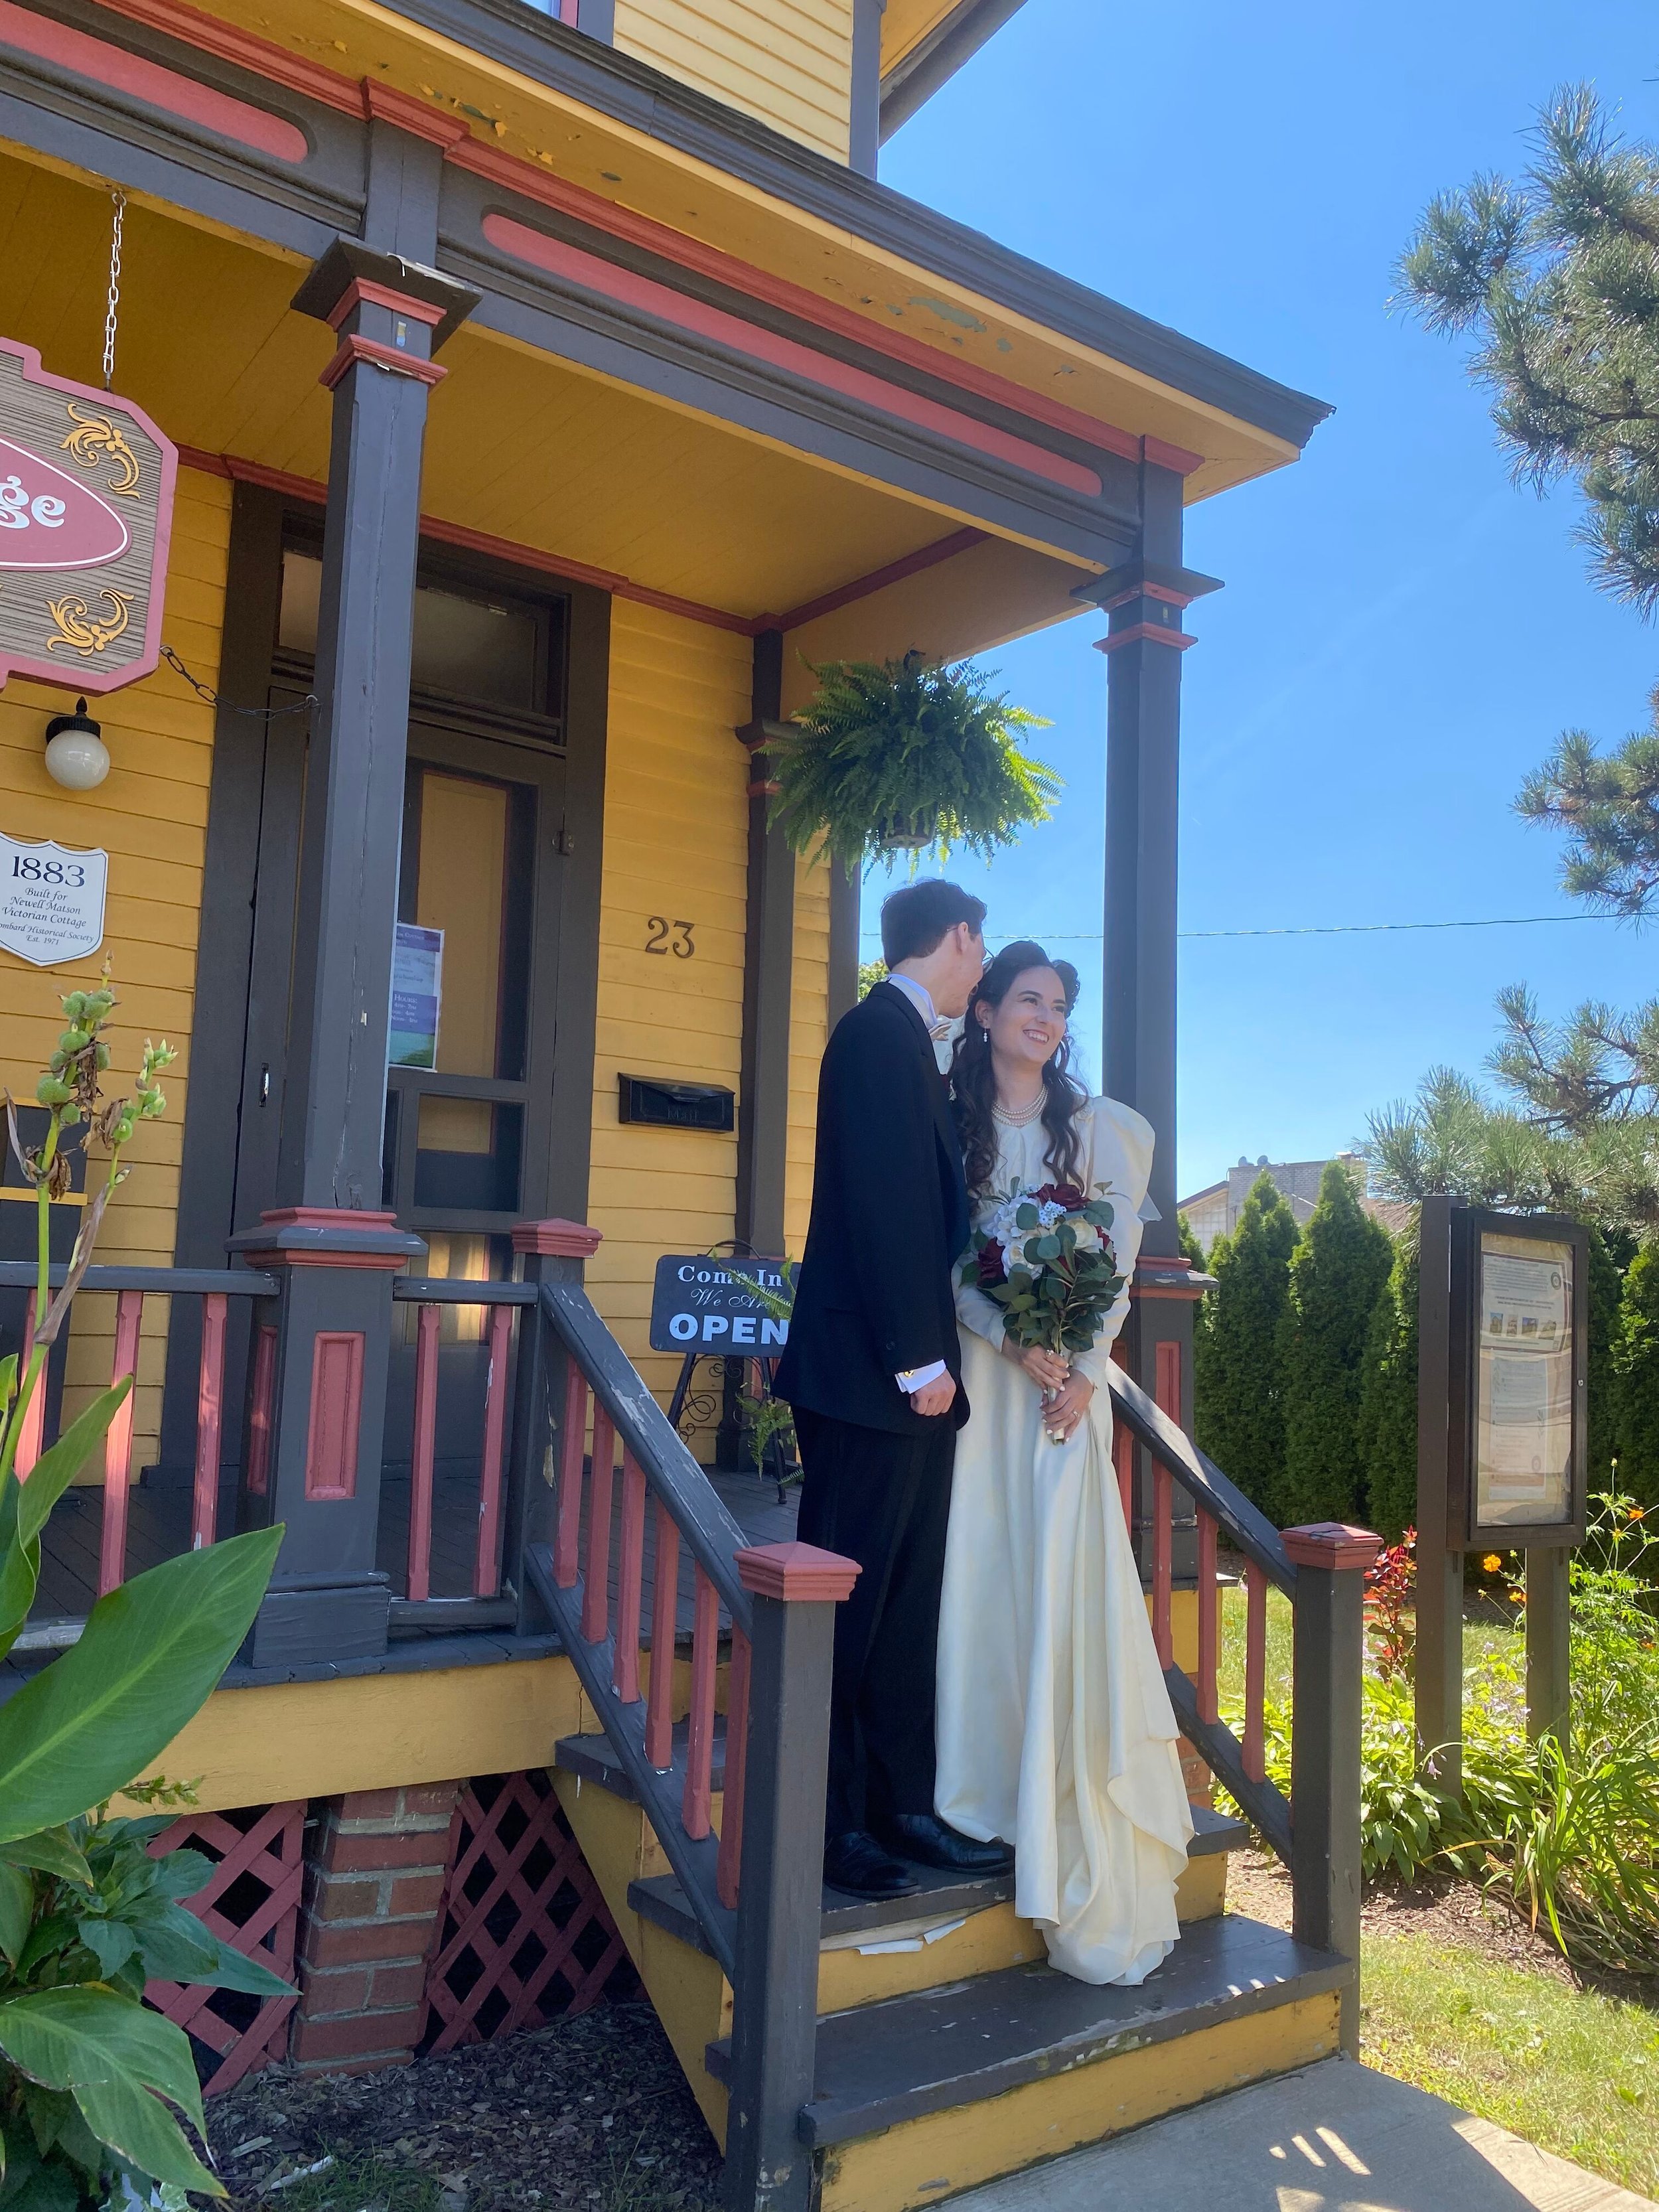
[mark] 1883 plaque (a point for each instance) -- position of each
(86, 508)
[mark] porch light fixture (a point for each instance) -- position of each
(76, 756)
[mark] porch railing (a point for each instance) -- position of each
(1320, 1569)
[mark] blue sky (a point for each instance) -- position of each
(1403, 633)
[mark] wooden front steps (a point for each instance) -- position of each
(948, 2051)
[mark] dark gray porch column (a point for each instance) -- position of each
(1143, 600)
(768, 970)
(335, 1247)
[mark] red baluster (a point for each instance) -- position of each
(728, 1862)
(1123, 1460)
(263, 1395)
(699, 1755)
(630, 1577)
(118, 1444)
(1162, 1567)
(34, 1419)
(1209, 1641)
(210, 1419)
(487, 1575)
(1255, 1670)
(596, 1575)
(422, 1445)
(566, 1541)
(664, 1613)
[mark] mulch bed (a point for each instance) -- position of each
(591, 2112)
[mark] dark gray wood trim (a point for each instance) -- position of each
(597, 19)
(631, 91)
(846, 894)
(864, 124)
(912, 82)
(768, 973)
(581, 868)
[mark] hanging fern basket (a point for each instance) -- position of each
(906, 756)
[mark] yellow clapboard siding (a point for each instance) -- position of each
(676, 844)
(151, 816)
(790, 67)
(808, 1034)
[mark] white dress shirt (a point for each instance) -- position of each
(912, 1379)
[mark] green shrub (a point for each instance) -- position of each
(1387, 1401)
(1337, 1275)
(1238, 1409)
(1636, 1370)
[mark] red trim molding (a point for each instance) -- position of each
(697, 318)
(796, 1573)
(265, 58)
(1154, 631)
(1333, 1545)
(1147, 591)
(862, 588)
(1164, 455)
(383, 103)
(364, 291)
(354, 349)
(336, 1405)
(115, 67)
(557, 1240)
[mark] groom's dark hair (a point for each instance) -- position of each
(915, 919)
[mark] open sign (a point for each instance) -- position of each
(736, 1306)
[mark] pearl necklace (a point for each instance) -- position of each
(1021, 1117)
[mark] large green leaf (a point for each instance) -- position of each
(118, 2059)
(16, 1911)
(24, 1506)
(177, 1947)
(149, 1655)
(53, 1851)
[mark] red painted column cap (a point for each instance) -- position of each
(1331, 1544)
(557, 1240)
(800, 1574)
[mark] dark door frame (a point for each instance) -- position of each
(560, 1123)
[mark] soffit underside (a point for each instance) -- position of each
(518, 447)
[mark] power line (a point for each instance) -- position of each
(1312, 929)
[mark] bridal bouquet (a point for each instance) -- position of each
(1045, 1257)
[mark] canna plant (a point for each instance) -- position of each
(90, 2079)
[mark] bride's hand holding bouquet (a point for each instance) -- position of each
(1045, 1258)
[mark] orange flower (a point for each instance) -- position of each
(1491, 1562)
(1638, 1513)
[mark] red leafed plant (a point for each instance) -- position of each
(1390, 1595)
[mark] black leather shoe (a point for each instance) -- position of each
(857, 1863)
(925, 1838)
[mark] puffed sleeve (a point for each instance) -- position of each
(1120, 1158)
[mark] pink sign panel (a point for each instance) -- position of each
(86, 513)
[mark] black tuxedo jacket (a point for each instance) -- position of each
(890, 1218)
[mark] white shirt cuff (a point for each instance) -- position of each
(911, 1379)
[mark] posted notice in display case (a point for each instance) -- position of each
(417, 970)
(1524, 1380)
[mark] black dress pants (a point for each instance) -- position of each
(884, 1500)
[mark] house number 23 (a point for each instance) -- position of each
(669, 937)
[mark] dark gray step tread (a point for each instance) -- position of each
(660, 1898)
(939, 2049)
(595, 1760)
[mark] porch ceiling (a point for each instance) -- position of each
(520, 446)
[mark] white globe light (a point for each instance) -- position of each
(78, 759)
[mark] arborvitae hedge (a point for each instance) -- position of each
(1636, 1366)
(1336, 1277)
(1388, 1402)
(1238, 1413)
(1602, 1382)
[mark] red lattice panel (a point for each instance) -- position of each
(524, 1932)
(251, 1899)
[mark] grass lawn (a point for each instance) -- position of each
(1572, 2071)
(1481, 1640)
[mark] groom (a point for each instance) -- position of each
(872, 1369)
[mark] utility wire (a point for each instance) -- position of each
(1314, 929)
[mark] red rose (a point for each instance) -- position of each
(1061, 1194)
(992, 1265)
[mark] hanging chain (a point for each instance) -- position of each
(114, 302)
(205, 691)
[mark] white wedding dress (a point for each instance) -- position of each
(1055, 1731)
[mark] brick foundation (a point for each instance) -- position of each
(374, 1883)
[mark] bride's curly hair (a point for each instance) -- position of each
(973, 1082)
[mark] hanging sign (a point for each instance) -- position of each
(417, 969)
(86, 510)
(52, 900)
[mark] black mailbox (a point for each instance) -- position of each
(667, 1105)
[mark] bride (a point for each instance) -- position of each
(1054, 1727)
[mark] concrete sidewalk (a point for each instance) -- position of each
(1335, 2138)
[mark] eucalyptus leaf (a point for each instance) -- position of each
(147, 1660)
